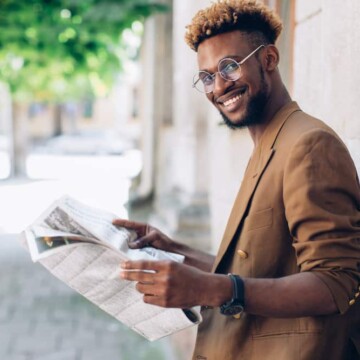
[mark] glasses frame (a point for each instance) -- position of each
(239, 63)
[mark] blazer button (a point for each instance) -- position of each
(352, 302)
(243, 254)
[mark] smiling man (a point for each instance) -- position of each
(285, 282)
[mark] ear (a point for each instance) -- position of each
(272, 57)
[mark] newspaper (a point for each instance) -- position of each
(80, 246)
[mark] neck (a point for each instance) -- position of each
(276, 101)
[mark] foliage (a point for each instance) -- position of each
(59, 49)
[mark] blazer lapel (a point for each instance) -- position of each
(257, 165)
(242, 200)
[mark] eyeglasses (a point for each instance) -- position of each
(229, 69)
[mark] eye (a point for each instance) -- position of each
(228, 66)
(206, 78)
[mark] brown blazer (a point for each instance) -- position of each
(298, 209)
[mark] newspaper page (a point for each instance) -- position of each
(80, 246)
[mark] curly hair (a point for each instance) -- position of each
(249, 16)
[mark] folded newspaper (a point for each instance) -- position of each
(80, 246)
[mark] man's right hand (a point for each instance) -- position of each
(147, 235)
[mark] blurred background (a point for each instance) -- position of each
(96, 102)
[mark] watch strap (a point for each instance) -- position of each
(238, 288)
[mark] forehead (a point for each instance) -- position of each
(212, 50)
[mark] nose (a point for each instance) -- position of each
(221, 85)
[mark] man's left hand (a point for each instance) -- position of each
(176, 285)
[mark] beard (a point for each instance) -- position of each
(254, 110)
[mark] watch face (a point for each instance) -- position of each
(235, 309)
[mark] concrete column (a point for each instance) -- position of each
(6, 133)
(182, 175)
(20, 140)
(155, 108)
(145, 184)
(190, 108)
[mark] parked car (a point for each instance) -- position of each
(86, 143)
(90, 154)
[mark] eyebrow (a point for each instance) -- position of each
(231, 57)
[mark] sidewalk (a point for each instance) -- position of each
(42, 319)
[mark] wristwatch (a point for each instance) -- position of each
(236, 305)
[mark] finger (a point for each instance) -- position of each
(151, 299)
(140, 265)
(146, 289)
(138, 243)
(143, 241)
(145, 265)
(155, 300)
(131, 225)
(140, 276)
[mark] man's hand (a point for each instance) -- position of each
(147, 235)
(176, 285)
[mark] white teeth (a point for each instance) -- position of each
(232, 100)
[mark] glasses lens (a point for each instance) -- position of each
(229, 69)
(204, 82)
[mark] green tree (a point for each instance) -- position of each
(54, 50)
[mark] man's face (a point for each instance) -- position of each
(241, 103)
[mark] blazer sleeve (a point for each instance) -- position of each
(322, 207)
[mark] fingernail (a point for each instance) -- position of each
(134, 243)
(123, 265)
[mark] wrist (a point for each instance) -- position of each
(182, 249)
(218, 291)
(177, 248)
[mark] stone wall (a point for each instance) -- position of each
(326, 67)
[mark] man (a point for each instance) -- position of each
(285, 282)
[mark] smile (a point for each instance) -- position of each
(234, 99)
